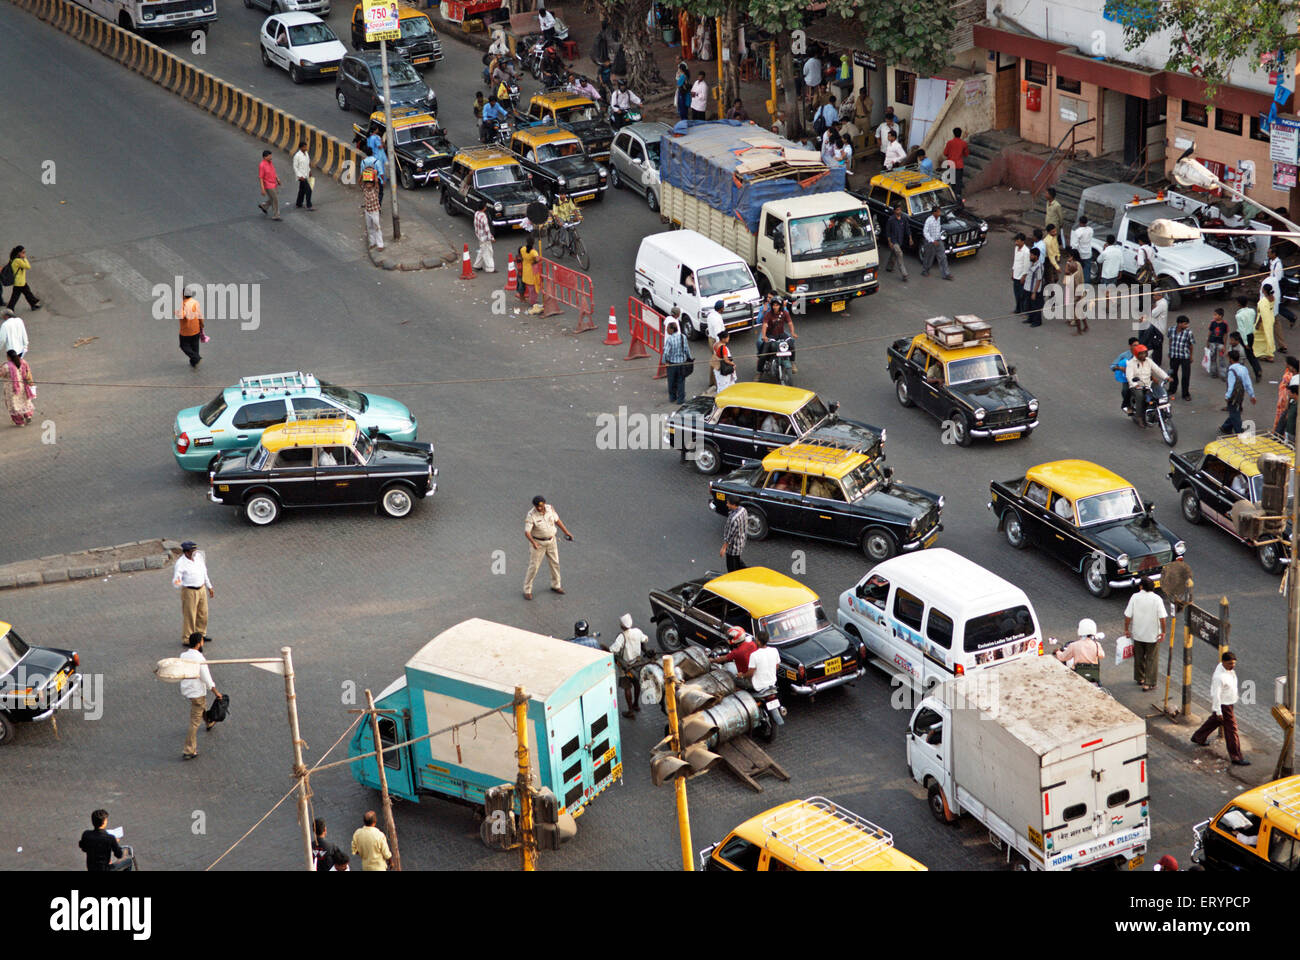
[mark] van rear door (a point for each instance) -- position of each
(1119, 772)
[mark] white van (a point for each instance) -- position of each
(933, 615)
(663, 264)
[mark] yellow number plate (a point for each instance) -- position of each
(965, 253)
(930, 539)
(608, 756)
(838, 305)
(721, 496)
(617, 774)
(59, 681)
(329, 69)
(831, 666)
(1007, 436)
(1136, 862)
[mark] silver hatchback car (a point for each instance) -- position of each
(634, 159)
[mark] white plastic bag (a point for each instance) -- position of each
(1123, 649)
(1207, 359)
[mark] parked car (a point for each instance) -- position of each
(829, 493)
(1212, 480)
(919, 193)
(555, 159)
(491, 174)
(34, 681)
(422, 148)
(574, 112)
(301, 43)
(419, 42)
(322, 463)
(747, 421)
(970, 389)
(634, 159)
(1259, 830)
(1090, 519)
(359, 84)
(233, 420)
(815, 654)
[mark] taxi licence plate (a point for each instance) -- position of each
(964, 253)
(329, 69)
(930, 539)
(1136, 862)
(420, 60)
(1006, 436)
(838, 306)
(59, 682)
(831, 667)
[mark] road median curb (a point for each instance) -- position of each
(138, 555)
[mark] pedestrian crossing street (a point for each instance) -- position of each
(244, 251)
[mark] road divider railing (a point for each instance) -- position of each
(646, 329)
(333, 157)
(562, 287)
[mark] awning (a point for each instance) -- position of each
(1134, 81)
(1237, 99)
(1015, 44)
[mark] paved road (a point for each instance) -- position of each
(148, 188)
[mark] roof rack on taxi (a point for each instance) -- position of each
(962, 330)
(1288, 802)
(812, 836)
(272, 382)
(318, 413)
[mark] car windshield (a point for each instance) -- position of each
(924, 202)
(578, 113)
(800, 621)
(415, 27)
(831, 234)
(1115, 505)
(213, 409)
(993, 629)
(416, 133)
(722, 280)
(809, 415)
(305, 34)
(12, 649)
(976, 368)
(501, 176)
(561, 148)
(352, 399)
(365, 445)
(400, 74)
(257, 459)
(861, 480)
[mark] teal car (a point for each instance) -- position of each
(234, 419)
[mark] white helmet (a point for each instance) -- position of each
(1087, 627)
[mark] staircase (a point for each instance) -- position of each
(1081, 174)
(984, 148)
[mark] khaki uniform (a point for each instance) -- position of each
(541, 526)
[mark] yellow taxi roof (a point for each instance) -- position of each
(814, 459)
(1076, 478)
(4, 628)
(409, 118)
(478, 157)
(816, 834)
(907, 182)
(309, 433)
(947, 354)
(1241, 451)
(764, 396)
(761, 591)
(558, 99)
(1278, 802)
(539, 135)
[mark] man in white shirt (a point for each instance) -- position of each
(763, 664)
(628, 649)
(1109, 262)
(699, 97)
(1274, 279)
(1223, 701)
(1146, 263)
(934, 249)
(713, 326)
(302, 170)
(887, 126)
(190, 576)
(196, 692)
(1156, 322)
(1019, 269)
(546, 24)
(13, 334)
(895, 155)
(622, 99)
(1081, 241)
(812, 76)
(1144, 621)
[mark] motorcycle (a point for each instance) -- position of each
(621, 118)
(500, 133)
(771, 714)
(1240, 248)
(1149, 406)
(777, 357)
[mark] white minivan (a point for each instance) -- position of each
(664, 263)
(932, 615)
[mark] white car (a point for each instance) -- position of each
(301, 43)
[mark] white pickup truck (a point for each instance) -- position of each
(1127, 212)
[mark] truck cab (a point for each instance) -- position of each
(818, 249)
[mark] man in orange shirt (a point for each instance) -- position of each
(270, 183)
(957, 150)
(191, 318)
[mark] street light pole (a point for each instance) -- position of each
(388, 139)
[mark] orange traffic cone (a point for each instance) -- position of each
(466, 270)
(512, 279)
(611, 335)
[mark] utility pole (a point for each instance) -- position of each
(1286, 762)
(392, 158)
(679, 783)
(390, 826)
(524, 785)
(299, 768)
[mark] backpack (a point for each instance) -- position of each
(7, 275)
(819, 123)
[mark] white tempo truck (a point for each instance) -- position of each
(1053, 766)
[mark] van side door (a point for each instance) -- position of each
(927, 747)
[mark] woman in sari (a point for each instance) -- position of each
(19, 390)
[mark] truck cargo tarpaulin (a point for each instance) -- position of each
(737, 167)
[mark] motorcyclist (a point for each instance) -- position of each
(1120, 368)
(776, 321)
(1142, 372)
(583, 636)
(493, 112)
(552, 67)
(1086, 652)
(620, 101)
(763, 665)
(742, 645)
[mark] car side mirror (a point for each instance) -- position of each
(778, 242)
(861, 591)
(833, 406)
(888, 474)
(1011, 371)
(373, 430)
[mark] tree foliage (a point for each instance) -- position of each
(1207, 38)
(916, 33)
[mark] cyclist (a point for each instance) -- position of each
(565, 215)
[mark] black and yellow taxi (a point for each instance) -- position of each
(831, 493)
(749, 420)
(419, 42)
(1222, 481)
(815, 654)
(34, 681)
(492, 174)
(968, 388)
(557, 160)
(575, 113)
(421, 147)
(814, 834)
(1258, 830)
(1090, 519)
(325, 462)
(919, 193)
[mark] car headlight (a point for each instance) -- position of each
(429, 94)
(379, 97)
(148, 14)
(984, 226)
(497, 206)
(602, 169)
(1033, 406)
(915, 522)
(1122, 561)
(1180, 548)
(1194, 275)
(980, 413)
(309, 65)
(940, 503)
(559, 181)
(883, 435)
(801, 288)
(419, 164)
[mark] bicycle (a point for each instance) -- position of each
(564, 237)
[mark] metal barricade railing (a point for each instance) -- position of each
(563, 286)
(646, 329)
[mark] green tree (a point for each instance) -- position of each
(629, 17)
(1208, 37)
(916, 33)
